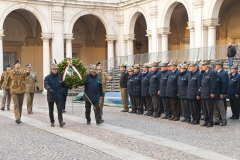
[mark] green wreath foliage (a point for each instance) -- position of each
(72, 81)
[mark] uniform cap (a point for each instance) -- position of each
(184, 66)
(235, 66)
(164, 64)
(98, 63)
(172, 63)
(29, 65)
(130, 69)
(93, 68)
(17, 61)
(220, 62)
(145, 65)
(8, 65)
(206, 62)
(194, 63)
(155, 64)
(54, 66)
(136, 66)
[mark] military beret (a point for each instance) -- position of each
(17, 61)
(8, 65)
(98, 63)
(29, 65)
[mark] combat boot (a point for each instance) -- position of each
(2, 108)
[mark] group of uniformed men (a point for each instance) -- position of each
(15, 83)
(182, 89)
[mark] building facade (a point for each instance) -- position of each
(39, 31)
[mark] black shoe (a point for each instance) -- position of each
(62, 124)
(156, 116)
(140, 112)
(209, 125)
(100, 121)
(224, 124)
(231, 117)
(216, 123)
(52, 125)
(88, 122)
(196, 122)
(204, 124)
(18, 121)
(201, 118)
(220, 121)
(8, 109)
(146, 114)
(30, 112)
(188, 120)
(124, 110)
(145, 109)
(183, 120)
(133, 112)
(63, 111)
(2, 108)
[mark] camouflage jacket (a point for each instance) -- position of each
(31, 82)
(104, 77)
(16, 80)
(3, 81)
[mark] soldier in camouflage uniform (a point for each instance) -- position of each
(16, 80)
(32, 84)
(104, 77)
(6, 88)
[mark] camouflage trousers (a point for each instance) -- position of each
(6, 95)
(30, 97)
(18, 102)
(101, 103)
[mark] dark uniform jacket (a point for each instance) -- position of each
(130, 85)
(163, 83)
(208, 85)
(194, 83)
(172, 86)
(154, 82)
(234, 86)
(145, 83)
(137, 83)
(220, 86)
(93, 88)
(226, 78)
(123, 79)
(64, 90)
(54, 82)
(183, 84)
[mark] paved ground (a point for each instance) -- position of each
(137, 136)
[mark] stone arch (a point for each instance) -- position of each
(105, 20)
(36, 12)
(133, 18)
(214, 8)
(167, 12)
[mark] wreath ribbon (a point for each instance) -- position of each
(79, 76)
(74, 69)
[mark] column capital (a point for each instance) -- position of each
(164, 31)
(128, 37)
(110, 38)
(191, 25)
(46, 36)
(68, 36)
(154, 11)
(198, 3)
(212, 22)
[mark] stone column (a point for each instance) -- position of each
(212, 36)
(192, 53)
(110, 39)
(159, 43)
(46, 56)
(69, 38)
(120, 44)
(153, 14)
(164, 32)
(130, 38)
(57, 19)
(150, 40)
(1, 55)
(198, 12)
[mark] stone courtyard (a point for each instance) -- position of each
(122, 136)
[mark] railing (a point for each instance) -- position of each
(194, 54)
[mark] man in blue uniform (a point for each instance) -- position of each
(218, 99)
(193, 93)
(137, 83)
(234, 91)
(208, 91)
(130, 90)
(182, 92)
(154, 89)
(172, 90)
(163, 91)
(146, 99)
(94, 92)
